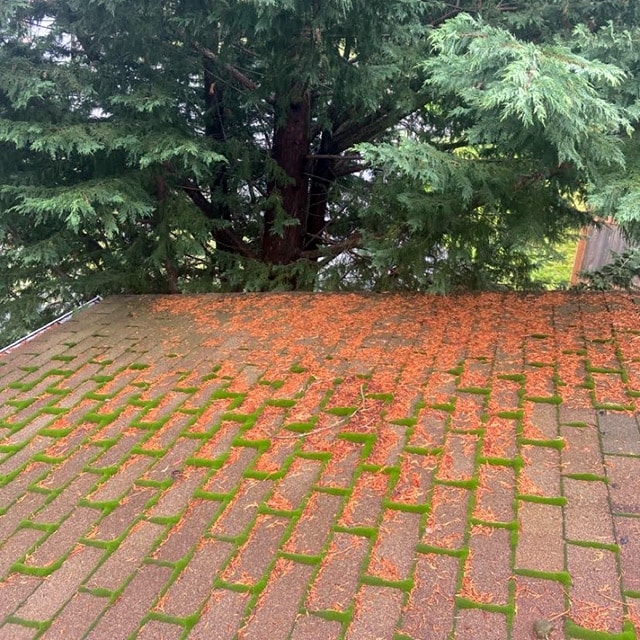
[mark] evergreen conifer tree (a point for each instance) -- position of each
(200, 145)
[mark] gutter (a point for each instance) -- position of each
(60, 320)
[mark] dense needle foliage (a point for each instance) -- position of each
(199, 145)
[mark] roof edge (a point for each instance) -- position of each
(59, 320)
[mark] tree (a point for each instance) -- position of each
(262, 144)
(516, 135)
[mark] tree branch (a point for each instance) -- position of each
(236, 74)
(333, 156)
(333, 250)
(356, 130)
(224, 238)
(528, 179)
(344, 169)
(442, 19)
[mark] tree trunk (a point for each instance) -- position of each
(215, 128)
(282, 244)
(321, 180)
(169, 263)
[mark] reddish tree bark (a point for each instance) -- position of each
(289, 150)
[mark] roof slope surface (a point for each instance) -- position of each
(310, 466)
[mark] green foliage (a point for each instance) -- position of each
(516, 129)
(619, 194)
(623, 272)
(277, 144)
(554, 262)
(522, 96)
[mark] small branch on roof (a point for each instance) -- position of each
(295, 436)
(335, 424)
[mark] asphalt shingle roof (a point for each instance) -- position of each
(324, 466)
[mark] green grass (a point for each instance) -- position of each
(554, 262)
